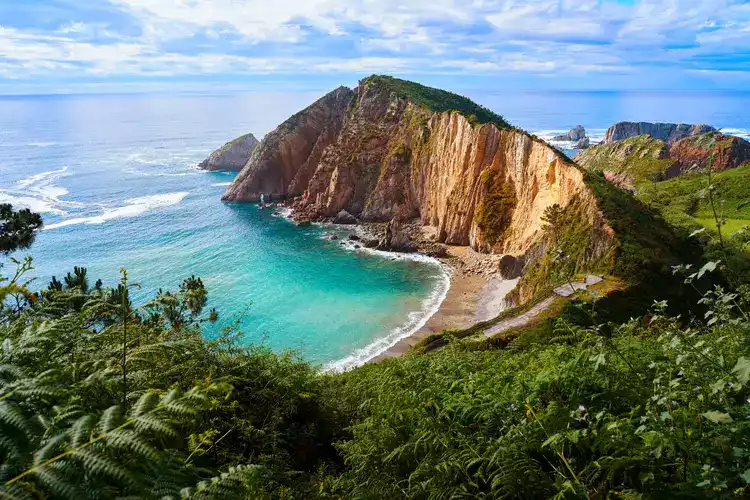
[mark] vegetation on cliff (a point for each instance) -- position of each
(436, 100)
(641, 158)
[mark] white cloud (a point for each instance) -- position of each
(220, 37)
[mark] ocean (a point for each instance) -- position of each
(114, 178)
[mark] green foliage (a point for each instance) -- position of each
(436, 100)
(495, 209)
(17, 228)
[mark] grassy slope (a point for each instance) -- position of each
(437, 100)
(684, 203)
(641, 157)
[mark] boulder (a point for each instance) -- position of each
(438, 251)
(344, 217)
(354, 237)
(667, 132)
(232, 155)
(371, 243)
(304, 223)
(333, 237)
(397, 238)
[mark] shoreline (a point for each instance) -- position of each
(471, 298)
(473, 291)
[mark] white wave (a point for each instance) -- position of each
(37, 205)
(133, 208)
(43, 177)
(135, 171)
(738, 132)
(41, 144)
(416, 320)
(222, 184)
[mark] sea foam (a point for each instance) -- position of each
(133, 207)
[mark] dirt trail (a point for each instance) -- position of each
(522, 319)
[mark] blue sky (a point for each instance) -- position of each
(59, 46)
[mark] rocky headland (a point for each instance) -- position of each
(421, 169)
(647, 158)
(576, 135)
(667, 132)
(231, 156)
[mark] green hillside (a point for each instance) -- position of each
(436, 100)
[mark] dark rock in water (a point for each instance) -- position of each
(344, 217)
(333, 237)
(232, 155)
(574, 134)
(304, 223)
(667, 132)
(289, 216)
(357, 246)
(354, 237)
(510, 267)
(371, 243)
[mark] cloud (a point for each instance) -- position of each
(139, 39)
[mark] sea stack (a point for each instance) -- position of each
(231, 156)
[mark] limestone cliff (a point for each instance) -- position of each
(232, 155)
(378, 154)
(667, 132)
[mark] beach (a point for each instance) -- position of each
(476, 293)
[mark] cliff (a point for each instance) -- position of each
(695, 153)
(395, 149)
(231, 156)
(667, 132)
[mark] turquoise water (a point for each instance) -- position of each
(114, 180)
(113, 177)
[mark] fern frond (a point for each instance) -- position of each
(57, 483)
(11, 416)
(51, 447)
(132, 441)
(110, 419)
(145, 404)
(155, 424)
(81, 430)
(103, 466)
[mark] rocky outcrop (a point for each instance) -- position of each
(667, 132)
(631, 161)
(697, 152)
(232, 155)
(285, 160)
(380, 156)
(575, 134)
(344, 217)
(582, 143)
(644, 158)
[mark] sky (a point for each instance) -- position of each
(75, 46)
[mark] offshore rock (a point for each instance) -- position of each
(285, 160)
(232, 155)
(667, 132)
(581, 143)
(575, 134)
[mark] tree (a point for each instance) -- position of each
(553, 219)
(17, 228)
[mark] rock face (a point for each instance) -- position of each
(667, 132)
(581, 143)
(287, 157)
(378, 155)
(694, 153)
(232, 155)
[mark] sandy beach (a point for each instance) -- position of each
(472, 297)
